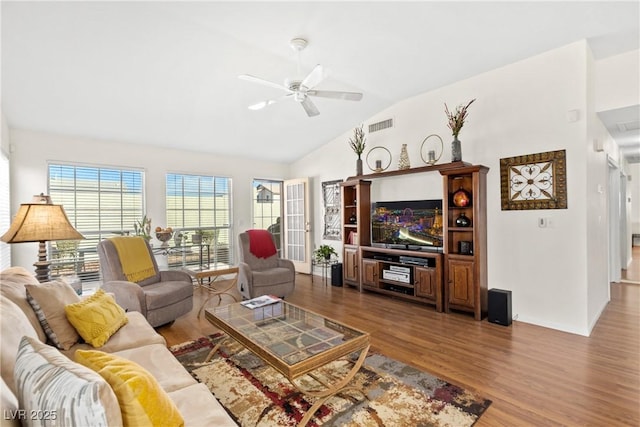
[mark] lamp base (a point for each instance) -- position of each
(42, 265)
(42, 271)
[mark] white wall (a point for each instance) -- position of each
(616, 81)
(520, 109)
(33, 150)
(597, 208)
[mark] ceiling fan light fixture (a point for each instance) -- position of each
(299, 88)
(298, 44)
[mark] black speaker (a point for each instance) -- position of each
(336, 274)
(500, 307)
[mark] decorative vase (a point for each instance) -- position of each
(403, 163)
(353, 219)
(463, 221)
(359, 166)
(456, 150)
(461, 198)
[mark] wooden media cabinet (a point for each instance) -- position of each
(455, 279)
(413, 275)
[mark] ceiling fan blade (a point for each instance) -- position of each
(262, 104)
(315, 76)
(309, 107)
(349, 96)
(254, 79)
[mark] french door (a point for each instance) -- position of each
(297, 236)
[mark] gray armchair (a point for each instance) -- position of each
(161, 298)
(263, 276)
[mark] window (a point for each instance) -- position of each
(100, 203)
(200, 206)
(5, 213)
(267, 207)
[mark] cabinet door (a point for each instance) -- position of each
(351, 265)
(461, 283)
(425, 282)
(370, 273)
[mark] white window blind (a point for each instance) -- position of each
(100, 202)
(200, 205)
(5, 212)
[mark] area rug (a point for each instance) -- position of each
(255, 394)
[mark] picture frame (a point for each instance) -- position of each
(534, 181)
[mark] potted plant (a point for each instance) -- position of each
(324, 252)
(455, 121)
(143, 228)
(357, 144)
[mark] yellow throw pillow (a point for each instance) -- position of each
(96, 318)
(142, 401)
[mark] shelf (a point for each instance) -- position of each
(419, 169)
(396, 283)
(460, 229)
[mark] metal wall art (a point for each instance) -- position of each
(534, 181)
(331, 199)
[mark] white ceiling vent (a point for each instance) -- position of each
(375, 127)
(628, 126)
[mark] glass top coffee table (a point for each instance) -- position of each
(294, 341)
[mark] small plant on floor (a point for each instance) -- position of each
(324, 253)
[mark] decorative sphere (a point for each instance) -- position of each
(461, 198)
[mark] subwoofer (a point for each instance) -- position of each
(336, 274)
(499, 307)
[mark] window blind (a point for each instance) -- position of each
(200, 205)
(100, 202)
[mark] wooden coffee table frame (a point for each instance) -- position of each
(213, 275)
(293, 371)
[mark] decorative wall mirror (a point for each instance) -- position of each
(534, 181)
(331, 199)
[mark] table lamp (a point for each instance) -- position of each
(41, 221)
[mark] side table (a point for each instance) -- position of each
(325, 266)
(210, 284)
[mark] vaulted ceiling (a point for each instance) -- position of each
(165, 73)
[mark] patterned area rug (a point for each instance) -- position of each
(396, 394)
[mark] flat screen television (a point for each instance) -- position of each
(409, 224)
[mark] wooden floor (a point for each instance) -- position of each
(535, 376)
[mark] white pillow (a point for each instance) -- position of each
(54, 390)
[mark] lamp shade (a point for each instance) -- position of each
(40, 221)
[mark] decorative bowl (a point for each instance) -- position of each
(164, 236)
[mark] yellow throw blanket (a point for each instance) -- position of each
(134, 257)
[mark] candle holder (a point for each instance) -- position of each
(378, 155)
(434, 147)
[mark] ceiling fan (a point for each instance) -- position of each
(301, 90)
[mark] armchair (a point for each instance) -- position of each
(161, 297)
(263, 274)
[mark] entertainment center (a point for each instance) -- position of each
(417, 252)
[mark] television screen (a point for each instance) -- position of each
(413, 225)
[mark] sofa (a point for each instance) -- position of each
(31, 364)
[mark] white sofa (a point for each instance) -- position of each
(136, 341)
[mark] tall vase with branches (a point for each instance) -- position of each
(455, 121)
(357, 144)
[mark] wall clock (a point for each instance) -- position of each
(534, 181)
